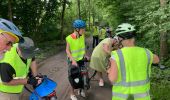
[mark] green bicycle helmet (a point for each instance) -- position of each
(125, 31)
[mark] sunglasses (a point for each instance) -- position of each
(8, 43)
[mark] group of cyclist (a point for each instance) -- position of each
(128, 66)
(100, 32)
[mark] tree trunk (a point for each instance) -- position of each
(10, 9)
(78, 4)
(163, 38)
(62, 17)
(93, 12)
(89, 14)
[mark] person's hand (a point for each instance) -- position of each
(32, 81)
(87, 58)
(39, 80)
(108, 70)
(74, 63)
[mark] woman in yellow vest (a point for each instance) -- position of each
(130, 67)
(9, 34)
(75, 49)
(14, 68)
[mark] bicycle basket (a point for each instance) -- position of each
(44, 89)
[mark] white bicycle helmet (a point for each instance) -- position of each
(125, 30)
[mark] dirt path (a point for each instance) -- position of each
(56, 68)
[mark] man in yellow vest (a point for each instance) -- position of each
(75, 49)
(14, 68)
(130, 67)
(9, 34)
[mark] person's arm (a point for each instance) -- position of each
(155, 59)
(16, 82)
(7, 72)
(106, 48)
(34, 68)
(86, 56)
(69, 54)
(113, 71)
(32, 81)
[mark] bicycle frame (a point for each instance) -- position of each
(85, 77)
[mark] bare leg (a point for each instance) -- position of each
(72, 94)
(101, 81)
(72, 91)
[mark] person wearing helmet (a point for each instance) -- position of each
(75, 49)
(100, 56)
(108, 32)
(9, 34)
(130, 67)
(14, 68)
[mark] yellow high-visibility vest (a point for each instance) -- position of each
(21, 69)
(77, 47)
(134, 66)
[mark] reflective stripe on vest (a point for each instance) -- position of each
(138, 88)
(123, 72)
(76, 51)
(19, 77)
(125, 96)
(21, 70)
(80, 56)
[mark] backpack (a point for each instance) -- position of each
(75, 77)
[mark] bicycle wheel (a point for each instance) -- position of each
(53, 98)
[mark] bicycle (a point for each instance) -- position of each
(85, 76)
(44, 91)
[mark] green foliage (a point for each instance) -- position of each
(160, 84)
(40, 19)
(36, 18)
(150, 19)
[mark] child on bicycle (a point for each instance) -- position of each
(75, 49)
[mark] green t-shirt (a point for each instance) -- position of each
(98, 51)
(99, 59)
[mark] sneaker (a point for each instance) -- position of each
(101, 83)
(73, 97)
(82, 93)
